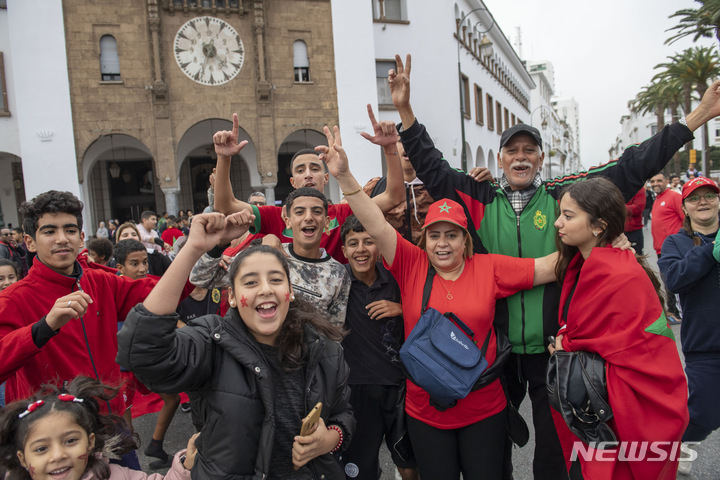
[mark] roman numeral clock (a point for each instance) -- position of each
(209, 51)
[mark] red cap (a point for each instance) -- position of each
(696, 183)
(446, 211)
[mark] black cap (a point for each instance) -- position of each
(521, 128)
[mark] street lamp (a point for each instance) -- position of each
(485, 49)
(544, 125)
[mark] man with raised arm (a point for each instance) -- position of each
(307, 171)
(514, 216)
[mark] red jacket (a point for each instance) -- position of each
(667, 217)
(615, 312)
(635, 208)
(67, 354)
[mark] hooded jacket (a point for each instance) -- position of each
(176, 472)
(84, 346)
(218, 362)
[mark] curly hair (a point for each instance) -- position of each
(112, 436)
(52, 201)
(290, 339)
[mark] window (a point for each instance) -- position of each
(490, 117)
(465, 96)
(512, 120)
(4, 108)
(478, 105)
(507, 119)
(109, 59)
(389, 10)
(301, 62)
(381, 71)
(498, 115)
(653, 129)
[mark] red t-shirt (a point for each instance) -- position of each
(268, 220)
(485, 279)
(667, 217)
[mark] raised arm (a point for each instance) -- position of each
(226, 146)
(207, 231)
(399, 80)
(363, 206)
(385, 135)
(708, 109)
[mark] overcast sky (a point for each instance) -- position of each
(603, 54)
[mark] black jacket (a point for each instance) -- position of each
(219, 363)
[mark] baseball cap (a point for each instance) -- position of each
(446, 210)
(696, 183)
(520, 128)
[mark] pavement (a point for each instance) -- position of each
(705, 467)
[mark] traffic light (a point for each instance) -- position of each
(693, 156)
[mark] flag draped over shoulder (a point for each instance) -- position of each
(615, 312)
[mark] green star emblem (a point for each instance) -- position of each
(445, 208)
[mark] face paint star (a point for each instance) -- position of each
(243, 301)
(287, 297)
(445, 208)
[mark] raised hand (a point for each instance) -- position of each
(708, 109)
(399, 80)
(334, 154)
(480, 174)
(226, 141)
(385, 133)
(236, 225)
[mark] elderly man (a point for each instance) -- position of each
(515, 217)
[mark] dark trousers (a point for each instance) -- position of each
(637, 240)
(475, 450)
(526, 374)
(704, 390)
(670, 300)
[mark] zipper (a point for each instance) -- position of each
(522, 292)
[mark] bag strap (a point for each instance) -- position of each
(428, 287)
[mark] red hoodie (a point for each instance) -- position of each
(71, 351)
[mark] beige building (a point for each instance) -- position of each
(150, 81)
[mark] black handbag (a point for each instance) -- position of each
(577, 389)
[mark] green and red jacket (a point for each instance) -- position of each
(531, 315)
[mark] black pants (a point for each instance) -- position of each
(637, 240)
(475, 450)
(526, 374)
(374, 408)
(670, 301)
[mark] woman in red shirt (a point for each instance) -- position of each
(468, 437)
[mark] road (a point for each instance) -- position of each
(705, 467)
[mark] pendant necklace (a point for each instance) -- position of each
(449, 295)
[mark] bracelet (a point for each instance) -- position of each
(683, 121)
(353, 192)
(339, 430)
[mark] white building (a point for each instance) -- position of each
(477, 70)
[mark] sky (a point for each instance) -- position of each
(603, 54)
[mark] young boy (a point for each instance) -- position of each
(375, 324)
(131, 257)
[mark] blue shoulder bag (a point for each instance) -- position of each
(441, 356)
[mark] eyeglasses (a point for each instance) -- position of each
(709, 197)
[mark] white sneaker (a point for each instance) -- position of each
(687, 455)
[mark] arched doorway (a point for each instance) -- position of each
(196, 158)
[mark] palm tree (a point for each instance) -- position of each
(698, 22)
(693, 68)
(657, 98)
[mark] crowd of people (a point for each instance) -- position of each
(252, 316)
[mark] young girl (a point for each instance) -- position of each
(60, 434)
(609, 305)
(8, 273)
(253, 375)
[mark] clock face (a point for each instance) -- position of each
(209, 51)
